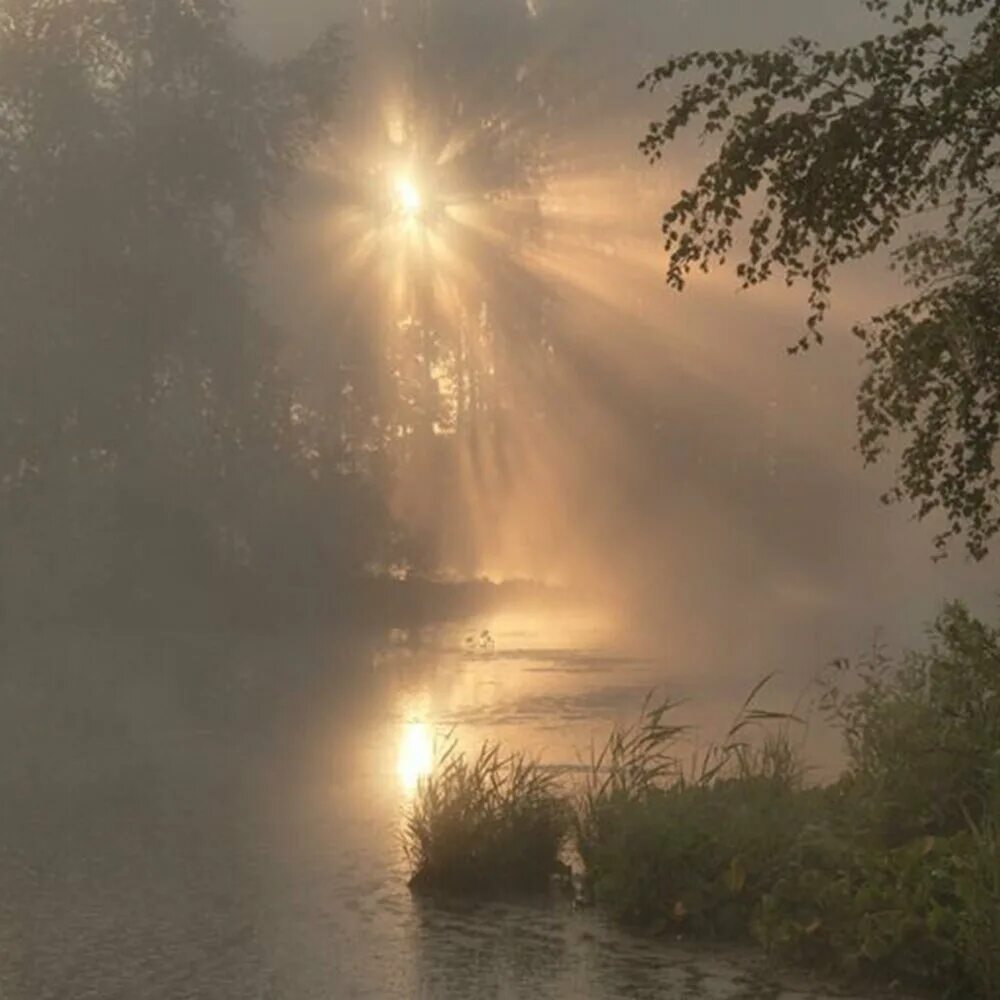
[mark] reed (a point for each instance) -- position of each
(487, 822)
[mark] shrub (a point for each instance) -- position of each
(923, 735)
(926, 914)
(890, 873)
(903, 879)
(481, 824)
(860, 911)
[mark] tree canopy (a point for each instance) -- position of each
(825, 156)
(148, 432)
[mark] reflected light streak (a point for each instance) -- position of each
(415, 758)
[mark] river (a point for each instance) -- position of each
(217, 816)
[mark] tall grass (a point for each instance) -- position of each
(495, 820)
(890, 872)
(687, 845)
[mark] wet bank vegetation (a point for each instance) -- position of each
(890, 873)
(493, 821)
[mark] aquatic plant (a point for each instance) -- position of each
(479, 824)
(687, 848)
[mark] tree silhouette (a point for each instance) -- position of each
(142, 400)
(836, 154)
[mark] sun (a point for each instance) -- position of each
(408, 198)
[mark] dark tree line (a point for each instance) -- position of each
(150, 440)
(166, 443)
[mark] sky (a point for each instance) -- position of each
(691, 474)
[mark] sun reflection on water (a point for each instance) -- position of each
(415, 758)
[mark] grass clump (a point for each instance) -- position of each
(485, 823)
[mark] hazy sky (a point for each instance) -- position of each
(646, 27)
(702, 478)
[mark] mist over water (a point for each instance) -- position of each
(243, 579)
(219, 815)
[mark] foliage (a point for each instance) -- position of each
(688, 850)
(452, 366)
(487, 823)
(902, 878)
(978, 889)
(149, 435)
(892, 872)
(924, 913)
(905, 881)
(892, 143)
(922, 736)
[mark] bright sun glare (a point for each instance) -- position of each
(416, 755)
(409, 201)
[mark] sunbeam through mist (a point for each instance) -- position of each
(406, 476)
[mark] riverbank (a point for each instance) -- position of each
(217, 814)
(888, 875)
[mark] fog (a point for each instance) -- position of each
(494, 382)
(683, 466)
(344, 403)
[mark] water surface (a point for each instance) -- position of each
(218, 816)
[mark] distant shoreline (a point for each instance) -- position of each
(251, 603)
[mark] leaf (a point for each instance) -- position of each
(736, 876)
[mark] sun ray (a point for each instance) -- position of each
(485, 260)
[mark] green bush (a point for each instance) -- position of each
(861, 911)
(923, 735)
(907, 883)
(978, 891)
(486, 823)
(688, 852)
(926, 914)
(695, 859)
(892, 872)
